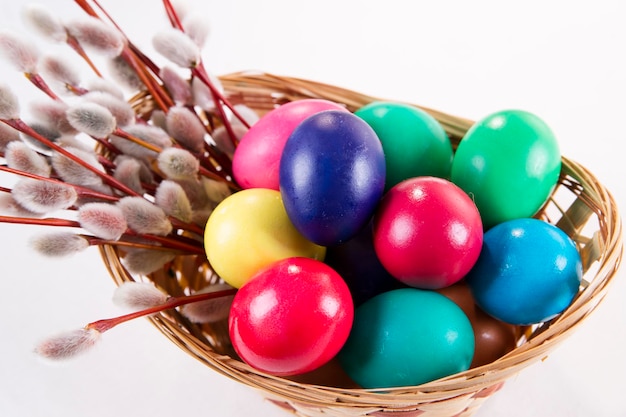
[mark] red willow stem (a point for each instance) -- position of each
(81, 191)
(39, 222)
(72, 42)
(39, 82)
(140, 55)
(200, 72)
(174, 242)
(135, 57)
(172, 302)
(86, 7)
(86, 192)
(21, 126)
(76, 90)
(95, 241)
(161, 98)
(170, 243)
(172, 15)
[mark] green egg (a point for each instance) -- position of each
(509, 163)
(407, 337)
(414, 142)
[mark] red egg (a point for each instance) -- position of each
(427, 232)
(291, 317)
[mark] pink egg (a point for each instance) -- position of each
(256, 159)
(427, 232)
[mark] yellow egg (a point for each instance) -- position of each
(250, 230)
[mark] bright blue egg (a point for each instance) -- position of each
(528, 272)
(332, 176)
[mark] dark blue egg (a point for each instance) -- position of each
(332, 176)
(358, 265)
(528, 272)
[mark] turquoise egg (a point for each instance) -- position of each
(407, 337)
(528, 272)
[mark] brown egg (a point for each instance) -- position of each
(330, 375)
(493, 338)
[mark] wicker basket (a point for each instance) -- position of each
(580, 205)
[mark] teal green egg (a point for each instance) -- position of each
(407, 337)
(415, 144)
(509, 163)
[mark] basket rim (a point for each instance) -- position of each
(470, 382)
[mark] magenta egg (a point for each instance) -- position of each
(256, 159)
(427, 232)
(291, 317)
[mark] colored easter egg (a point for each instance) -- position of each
(528, 272)
(248, 231)
(358, 265)
(407, 337)
(492, 338)
(414, 142)
(332, 176)
(427, 232)
(256, 159)
(330, 374)
(509, 163)
(291, 317)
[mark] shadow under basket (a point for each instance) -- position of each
(580, 205)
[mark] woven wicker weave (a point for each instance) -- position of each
(580, 205)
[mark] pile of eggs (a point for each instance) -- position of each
(363, 239)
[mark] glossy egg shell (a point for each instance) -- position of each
(492, 338)
(414, 142)
(528, 272)
(358, 265)
(509, 162)
(407, 337)
(256, 159)
(248, 231)
(332, 176)
(292, 317)
(427, 232)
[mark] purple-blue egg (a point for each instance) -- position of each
(528, 272)
(332, 176)
(358, 265)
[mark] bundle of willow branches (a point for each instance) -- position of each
(140, 172)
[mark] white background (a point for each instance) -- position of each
(563, 60)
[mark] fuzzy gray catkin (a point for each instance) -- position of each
(138, 295)
(46, 24)
(58, 244)
(144, 217)
(171, 197)
(178, 163)
(18, 52)
(43, 196)
(95, 35)
(67, 345)
(177, 47)
(20, 156)
(106, 221)
(91, 118)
